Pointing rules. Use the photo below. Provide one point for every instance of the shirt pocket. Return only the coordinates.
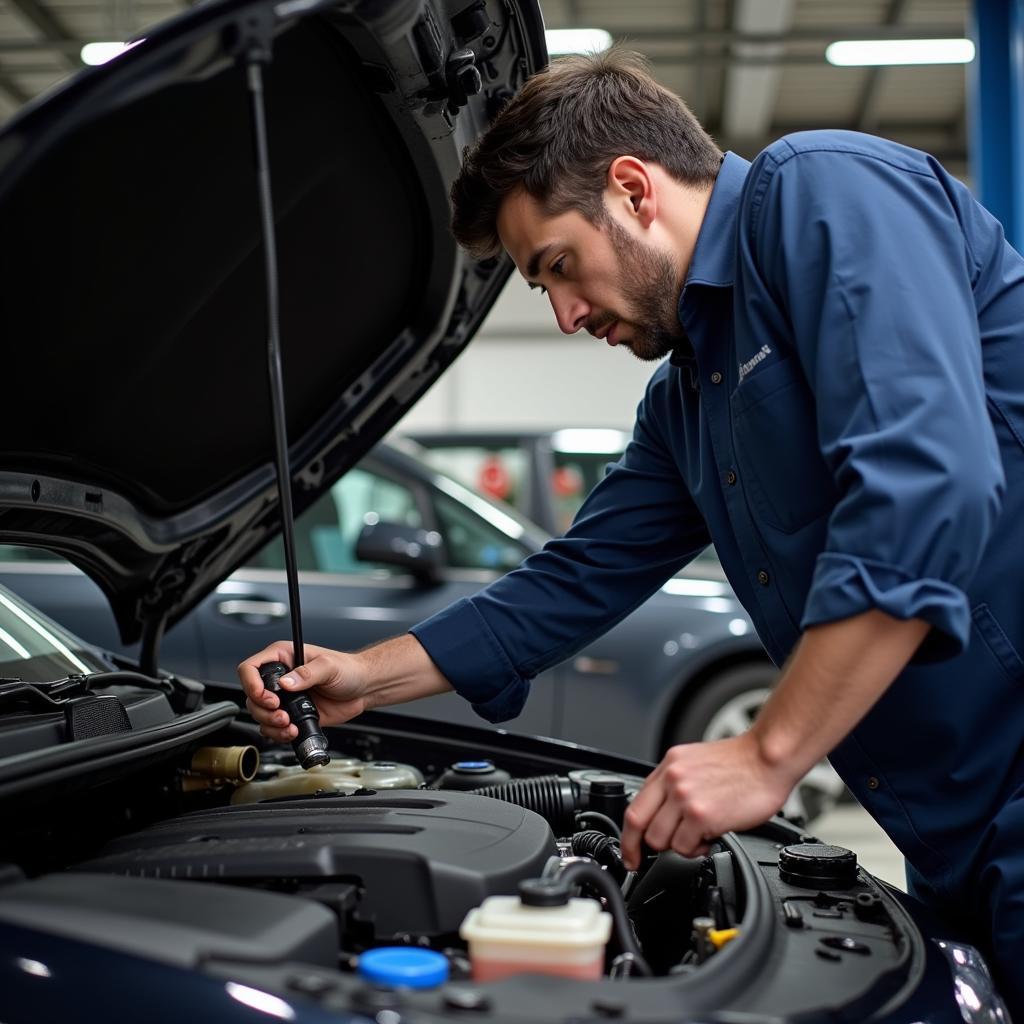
(998, 643)
(775, 439)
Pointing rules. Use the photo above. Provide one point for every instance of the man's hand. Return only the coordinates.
(341, 685)
(338, 682)
(699, 791)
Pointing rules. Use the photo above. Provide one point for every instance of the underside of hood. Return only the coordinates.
(138, 434)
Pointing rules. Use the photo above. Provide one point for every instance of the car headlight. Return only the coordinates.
(973, 987)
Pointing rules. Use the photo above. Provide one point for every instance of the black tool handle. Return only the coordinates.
(310, 745)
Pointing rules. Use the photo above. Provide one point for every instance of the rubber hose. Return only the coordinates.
(551, 796)
(581, 871)
(604, 849)
(600, 821)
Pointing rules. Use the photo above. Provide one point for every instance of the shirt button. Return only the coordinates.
(716, 378)
(872, 783)
(730, 477)
(763, 578)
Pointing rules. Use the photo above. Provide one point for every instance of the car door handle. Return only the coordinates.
(255, 613)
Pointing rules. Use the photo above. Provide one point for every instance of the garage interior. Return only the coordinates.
(752, 71)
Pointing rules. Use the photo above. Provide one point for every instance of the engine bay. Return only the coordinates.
(223, 857)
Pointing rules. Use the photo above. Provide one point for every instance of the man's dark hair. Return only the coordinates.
(559, 134)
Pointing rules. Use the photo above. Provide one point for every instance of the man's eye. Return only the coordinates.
(557, 268)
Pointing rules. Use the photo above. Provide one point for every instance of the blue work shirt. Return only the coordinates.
(848, 428)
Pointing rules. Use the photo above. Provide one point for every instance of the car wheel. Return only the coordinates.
(727, 706)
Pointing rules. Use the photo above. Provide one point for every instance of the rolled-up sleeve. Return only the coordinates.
(638, 527)
(868, 261)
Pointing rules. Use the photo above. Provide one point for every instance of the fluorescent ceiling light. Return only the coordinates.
(577, 40)
(100, 53)
(873, 52)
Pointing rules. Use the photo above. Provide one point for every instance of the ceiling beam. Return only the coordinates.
(699, 103)
(728, 59)
(14, 91)
(689, 41)
(940, 139)
(42, 68)
(818, 34)
(869, 106)
(945, 128)
(708, 60)
(51, 28)
(958, 128)
(751, 91)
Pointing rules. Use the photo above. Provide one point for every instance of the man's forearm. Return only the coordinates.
(342, 685)
(834, 677)
(400, 670)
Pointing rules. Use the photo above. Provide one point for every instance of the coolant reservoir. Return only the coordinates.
(541, 931)
(342, 775)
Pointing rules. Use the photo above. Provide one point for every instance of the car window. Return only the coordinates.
(327, 532)
(34, 650)
(575, 475)
(496, 471)
(473, 543)
(14, 553)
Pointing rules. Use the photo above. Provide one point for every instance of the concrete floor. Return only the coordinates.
(851, 826)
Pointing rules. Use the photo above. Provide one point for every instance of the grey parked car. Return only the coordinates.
(684, 666)
(546, 474)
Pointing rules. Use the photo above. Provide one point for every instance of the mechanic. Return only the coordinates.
(841, 413)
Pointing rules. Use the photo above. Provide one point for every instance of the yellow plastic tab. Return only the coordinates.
(720, 936)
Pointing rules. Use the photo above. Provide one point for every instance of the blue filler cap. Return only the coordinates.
(403, 967)
(473, 766)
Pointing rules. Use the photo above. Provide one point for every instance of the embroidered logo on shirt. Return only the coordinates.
(746, 367)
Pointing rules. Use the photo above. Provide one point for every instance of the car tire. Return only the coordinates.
(726, 705)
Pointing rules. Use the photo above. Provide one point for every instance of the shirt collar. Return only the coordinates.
(714, 256)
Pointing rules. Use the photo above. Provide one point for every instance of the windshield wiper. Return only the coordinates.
(54, 694)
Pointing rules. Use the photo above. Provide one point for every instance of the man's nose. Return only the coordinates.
(571, 312)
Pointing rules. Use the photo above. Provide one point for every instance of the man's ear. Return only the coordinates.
(631, 186)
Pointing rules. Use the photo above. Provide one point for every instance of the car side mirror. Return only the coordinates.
(406, 547)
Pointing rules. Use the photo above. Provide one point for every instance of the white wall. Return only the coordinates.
(521, 371)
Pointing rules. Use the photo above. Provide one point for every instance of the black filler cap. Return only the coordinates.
(818, 866)
(607, 795)
(543, 892)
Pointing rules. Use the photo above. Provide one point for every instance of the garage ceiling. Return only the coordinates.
(751, 69)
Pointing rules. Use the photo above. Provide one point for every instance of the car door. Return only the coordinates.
(348, 604)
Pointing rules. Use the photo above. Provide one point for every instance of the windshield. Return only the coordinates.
(36, 650)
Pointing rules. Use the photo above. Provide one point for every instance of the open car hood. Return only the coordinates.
(138, 433)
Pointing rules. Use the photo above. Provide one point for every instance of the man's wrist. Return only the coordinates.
(398, 670)
(777, 755)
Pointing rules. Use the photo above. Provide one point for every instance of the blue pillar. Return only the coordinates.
(996, 112)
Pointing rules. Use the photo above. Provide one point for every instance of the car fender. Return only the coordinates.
(639, 672)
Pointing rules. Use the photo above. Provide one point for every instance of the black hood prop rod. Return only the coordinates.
(310, 745)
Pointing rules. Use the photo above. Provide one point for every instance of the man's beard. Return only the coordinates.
(651, 291)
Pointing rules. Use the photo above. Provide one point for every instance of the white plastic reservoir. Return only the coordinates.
(506, 937)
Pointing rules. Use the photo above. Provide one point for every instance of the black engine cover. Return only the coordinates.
(422, 861)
